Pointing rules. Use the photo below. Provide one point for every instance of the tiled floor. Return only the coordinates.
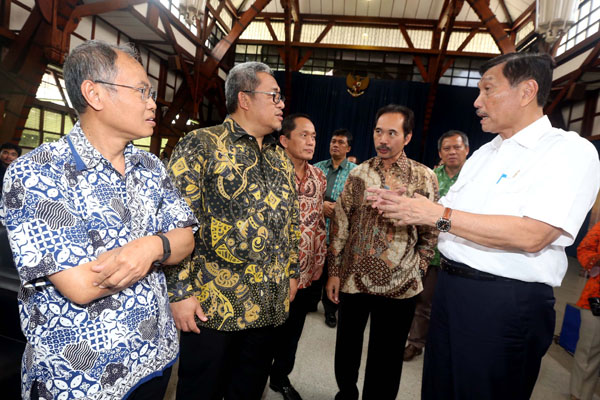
(314, 379)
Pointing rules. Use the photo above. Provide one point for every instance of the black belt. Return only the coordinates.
(463, 270)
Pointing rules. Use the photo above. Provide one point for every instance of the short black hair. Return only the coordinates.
(451, 133)
(519, 67)
(289, 123)
(409, 116)
(343, 132)
(12, 146)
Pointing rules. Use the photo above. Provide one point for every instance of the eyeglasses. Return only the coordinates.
(277, 96)
(146, 91)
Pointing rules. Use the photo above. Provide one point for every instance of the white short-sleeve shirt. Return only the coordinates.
(542, 173)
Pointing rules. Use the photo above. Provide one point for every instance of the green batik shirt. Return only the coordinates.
(444, 183)
(246, 247)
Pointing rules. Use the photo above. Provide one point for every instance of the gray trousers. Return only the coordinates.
(586, 362)
(420, 325)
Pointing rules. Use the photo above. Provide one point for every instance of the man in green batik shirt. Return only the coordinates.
(453, 147)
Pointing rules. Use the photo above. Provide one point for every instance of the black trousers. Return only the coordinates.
(390, 322)
(318, 292)
(154, 389)
(288, 336)
(486, 338)
(230, 365)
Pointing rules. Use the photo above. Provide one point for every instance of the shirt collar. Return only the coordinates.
(343, 164)
(237, 132)
(528, 136)
(87, 157)
(378, 161)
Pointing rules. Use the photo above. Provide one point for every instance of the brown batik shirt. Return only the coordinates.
(367, 252)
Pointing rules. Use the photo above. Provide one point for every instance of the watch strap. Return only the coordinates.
(166, 249)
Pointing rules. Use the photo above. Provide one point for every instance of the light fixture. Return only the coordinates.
(192, 9)
(555, 17)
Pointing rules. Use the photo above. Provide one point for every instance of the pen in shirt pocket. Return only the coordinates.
(505, 176)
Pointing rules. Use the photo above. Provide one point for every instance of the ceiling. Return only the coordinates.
(408, 9)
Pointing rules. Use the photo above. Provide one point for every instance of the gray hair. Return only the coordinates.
(92, 60)
(451, 133)
(242, 77)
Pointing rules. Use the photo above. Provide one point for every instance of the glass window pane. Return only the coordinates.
(33, 119)
(585, 9)
(30, 139)
(459, 81)
(592, 30)
(595, 16)
(50, 137)
(144, 143)
(52, 121)
(68, 124)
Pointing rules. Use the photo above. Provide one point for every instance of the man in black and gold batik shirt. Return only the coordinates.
(243, 272)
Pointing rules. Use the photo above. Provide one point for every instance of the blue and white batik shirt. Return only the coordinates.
(63, 205)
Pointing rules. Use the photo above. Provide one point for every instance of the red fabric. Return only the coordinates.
(588, 254)
(312, 247)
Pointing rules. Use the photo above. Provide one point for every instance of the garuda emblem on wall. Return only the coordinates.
(357, 84)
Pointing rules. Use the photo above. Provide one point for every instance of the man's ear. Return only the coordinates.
(91, 93)
(407, 138)
(243, 101)
(529, 90)
(283, 140)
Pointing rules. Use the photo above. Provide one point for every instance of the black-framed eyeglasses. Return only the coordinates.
(146, 91)
(277, 96)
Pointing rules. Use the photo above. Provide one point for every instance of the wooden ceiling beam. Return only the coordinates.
(370, 48)
(506, 12)
(450, 12)
(231, 8)
(417, 60)
(589, 61)
(210, 66)
(496, 29)
(524, 17)
(217, 14)
(410, 23)
(270, 28)
(309, 53)
(169, 31)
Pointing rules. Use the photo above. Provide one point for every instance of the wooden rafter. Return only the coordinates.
(524, 17)
(417, 59)
(587, 63)
(270, 28)
(368, 48)
(506, 12)
(450, 11)
(184, 66)
(381, 22)
(217, 14)
(308, 54)
(210, 66)
(485, 14)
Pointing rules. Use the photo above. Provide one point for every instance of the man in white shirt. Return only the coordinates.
(519, 201)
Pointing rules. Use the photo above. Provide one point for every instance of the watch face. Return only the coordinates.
(443, 225)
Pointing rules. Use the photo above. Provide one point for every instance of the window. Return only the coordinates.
(588, 21)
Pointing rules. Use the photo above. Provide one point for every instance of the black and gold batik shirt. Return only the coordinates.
(247, 245)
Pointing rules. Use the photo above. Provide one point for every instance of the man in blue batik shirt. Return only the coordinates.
(336, 170)
(91, 221)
